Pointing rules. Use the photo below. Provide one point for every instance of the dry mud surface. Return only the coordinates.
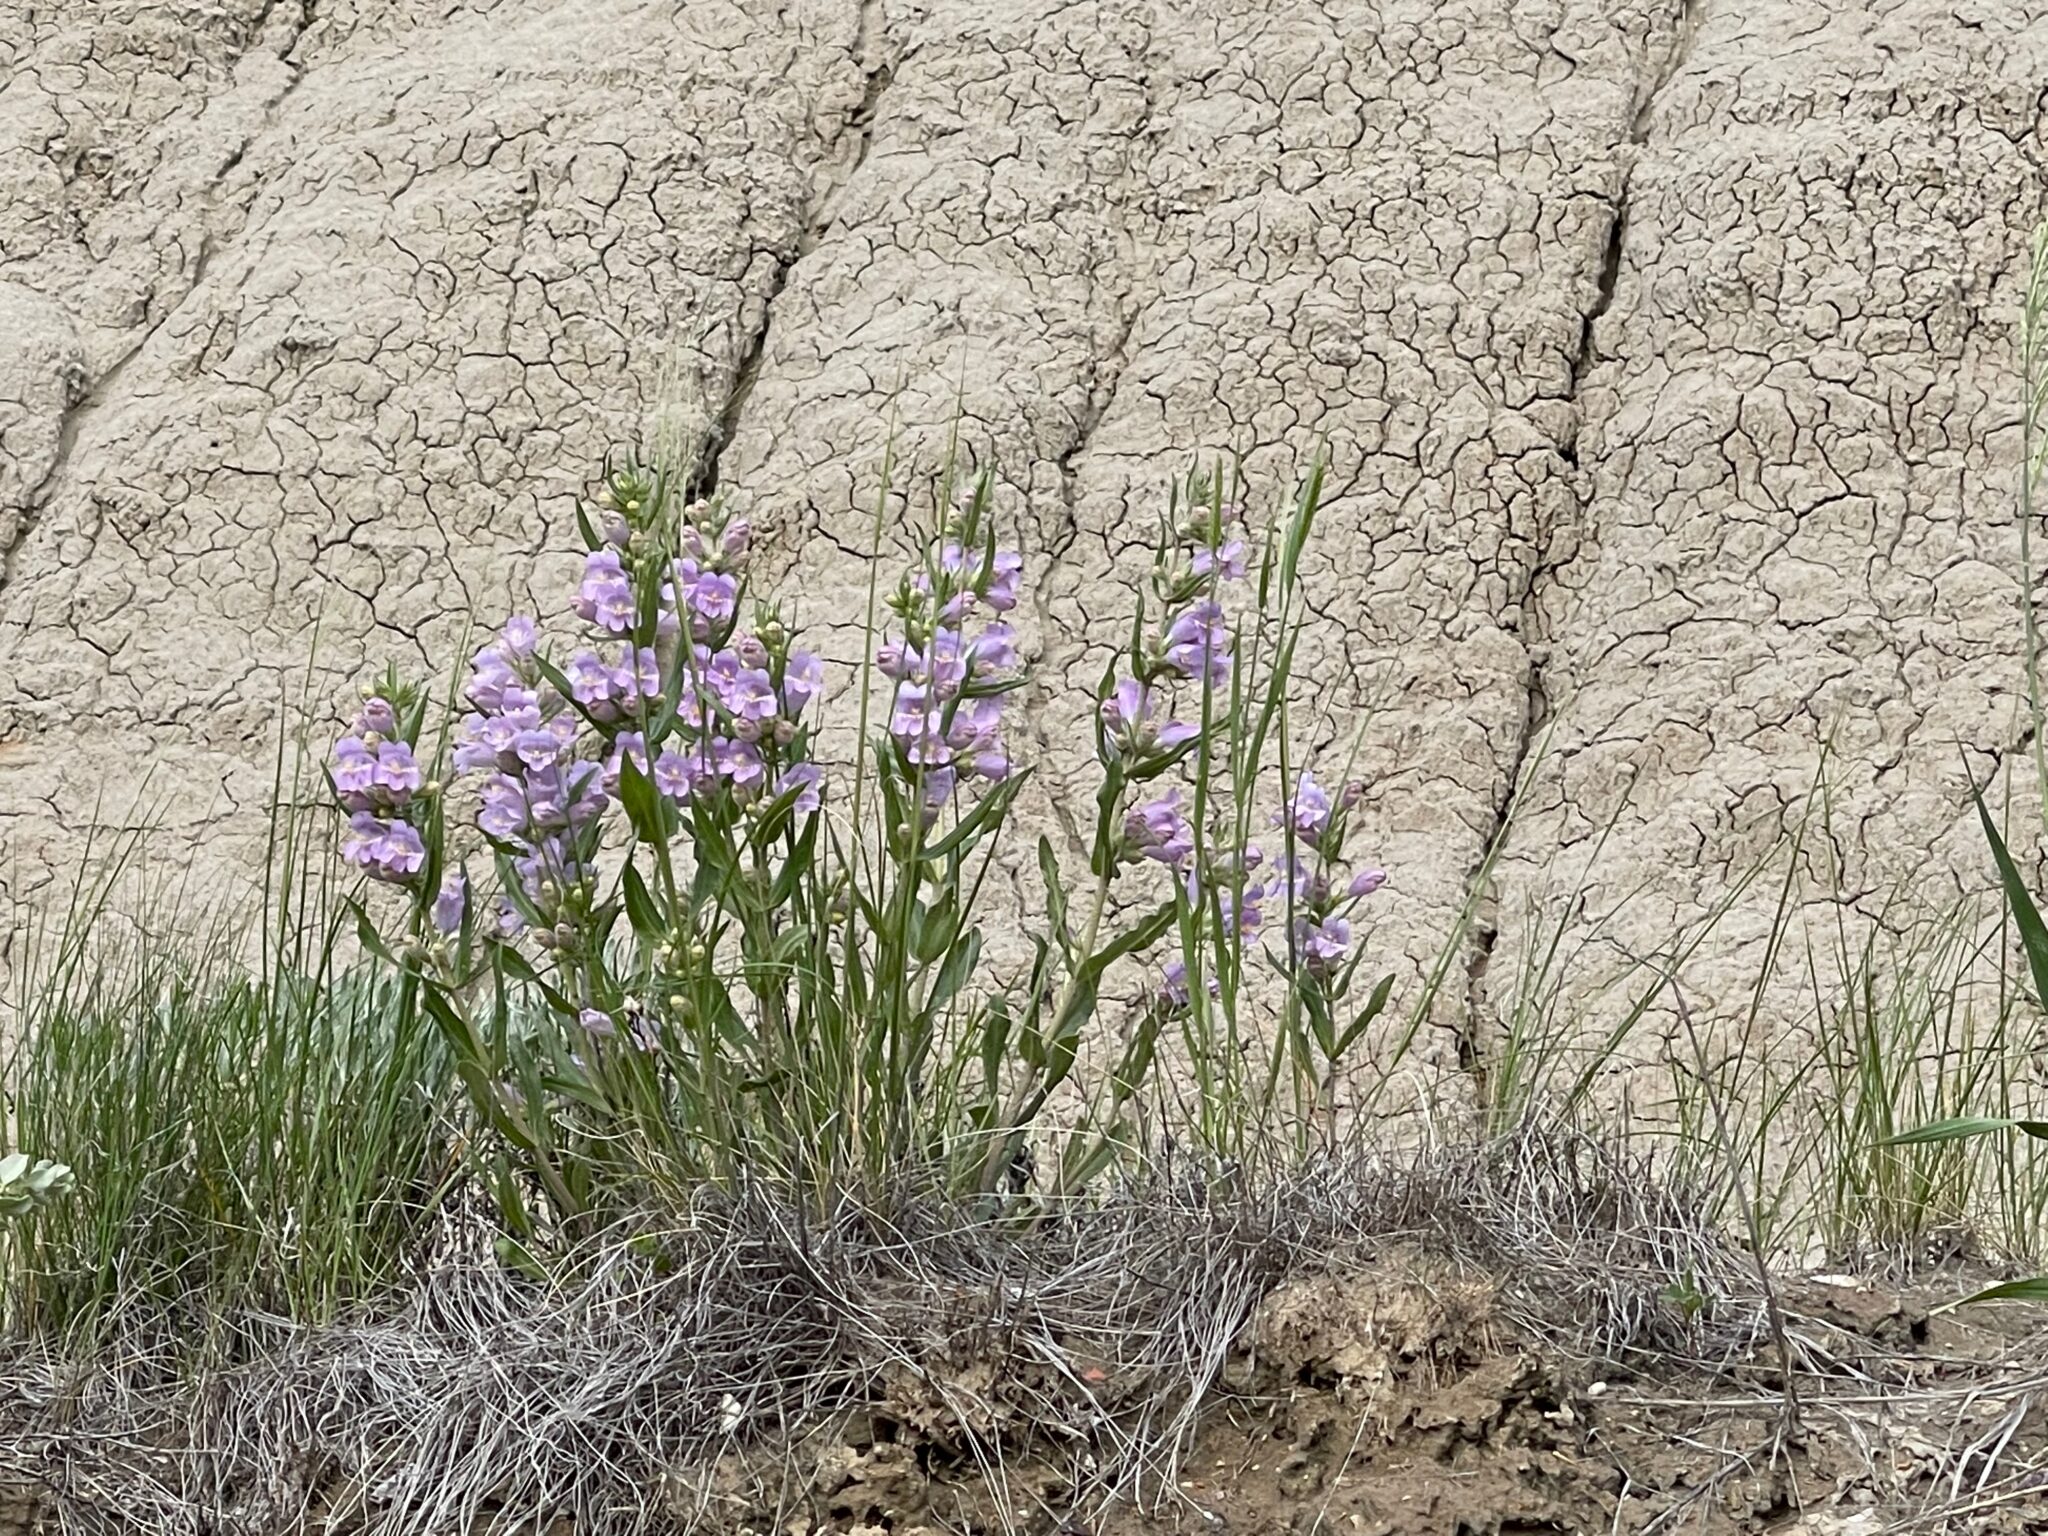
(1663, 349)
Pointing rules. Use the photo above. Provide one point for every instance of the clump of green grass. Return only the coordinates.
(242, 1142)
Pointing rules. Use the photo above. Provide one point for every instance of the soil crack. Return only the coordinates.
(1480, 909)
(849, 147)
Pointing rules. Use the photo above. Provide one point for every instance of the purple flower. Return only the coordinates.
(384, 850)
(945, 663)
(898, 659)
(520, 636)
(1159, 830)
(450, 903)
(710, 596)
(491, 675)
(1365, 882)
(804, 781)
(974, 737)
(376, 718)
(590, 680)
(739, 761)
(1173, 985)
(994, 650)
(678, 774)
(565, 797)
(398, 776)
(1308, 813)
(1005, 582)
(1126, 713)
(627, 744)
(732, 544)
(597, 1022)
(1241, 909)
(380, 780)
(1198, 642)
(637, 672)
(803, 679)
(1227, 559)
(938, 786)
(745, 693)
(354, 773)
(606, 598)
(1321, 943)
(914, 722)
(504, 810)
(539, 747)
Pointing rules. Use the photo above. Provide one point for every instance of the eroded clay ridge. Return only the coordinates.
(1663, 352)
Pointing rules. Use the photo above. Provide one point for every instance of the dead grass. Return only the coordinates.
(1091, 1337)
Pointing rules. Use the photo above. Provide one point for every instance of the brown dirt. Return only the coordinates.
(1397, 1403)
(1394, 1398)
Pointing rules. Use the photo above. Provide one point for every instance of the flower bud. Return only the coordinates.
(677, 1002)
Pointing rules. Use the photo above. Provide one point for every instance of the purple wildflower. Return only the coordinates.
(1159, 830)
(1365, 882)
(804, 780)
(628, 744)
(376, 718)
(803, 679)
(1127, 712)
(1198, 643)
(1309, 811)
(1005, 582)
(739, 761)
(451, 902)
(354, 774)
(1321, 943)
(398, 776)
(383, 850)
(1227, 559)
(597, 1022)
(606, 597)
(678, 774)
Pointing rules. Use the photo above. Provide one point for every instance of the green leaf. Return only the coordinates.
(2035, 1289)
(995, 1033)
(1055, 895)
(988, 810)
(641, 911)
(521, 969)
(1374, 1006)
(960, 963)
(1964, 1126)
(1139, 937)
(642, 802)
(367, 935)
(2025, 915)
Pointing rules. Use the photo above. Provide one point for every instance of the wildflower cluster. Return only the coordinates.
(951, 666)
(1320, 903)
(378, 782)
(817, 992)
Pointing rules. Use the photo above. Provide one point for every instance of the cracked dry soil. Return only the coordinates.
(1663, 348)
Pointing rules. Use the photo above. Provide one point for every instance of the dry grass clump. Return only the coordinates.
(1090, 1337)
